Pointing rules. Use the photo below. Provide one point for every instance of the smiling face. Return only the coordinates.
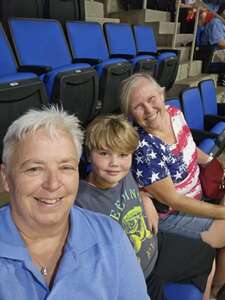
(108, 168)
(42, 181)
(147, 105)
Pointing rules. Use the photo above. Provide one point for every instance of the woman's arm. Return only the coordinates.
(165, 192)
(203, 158)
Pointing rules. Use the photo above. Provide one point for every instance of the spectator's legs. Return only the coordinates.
(216, 238)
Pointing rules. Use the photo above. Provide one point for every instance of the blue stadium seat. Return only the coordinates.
(19, 91)
(41, 46)
(121, 43)
(167, 59)
(207, 145)
(209, 100)
(173, 102)
(201, 127)
(178, 291)
(88, 44)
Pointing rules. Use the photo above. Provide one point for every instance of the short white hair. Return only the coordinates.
(50, 119)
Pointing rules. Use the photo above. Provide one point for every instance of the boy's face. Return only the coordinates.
(108, 167)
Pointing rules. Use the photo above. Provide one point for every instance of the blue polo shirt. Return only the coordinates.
(213, 33)
(98, 263)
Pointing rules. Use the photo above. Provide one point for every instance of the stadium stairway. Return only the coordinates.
(164, 29)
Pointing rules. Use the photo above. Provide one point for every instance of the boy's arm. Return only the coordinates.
(150, 212)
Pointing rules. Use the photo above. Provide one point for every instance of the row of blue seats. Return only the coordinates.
(41, 49)
(205, 117)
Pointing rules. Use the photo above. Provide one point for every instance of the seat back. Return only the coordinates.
(173, 102)
(145, 39)
(192, 108)
(16, 100)
(120, 40)
(20, 8)
(7, 61)
(208, 94)
(39, 42)
(64, 10)
(178, 291)
(87, 40)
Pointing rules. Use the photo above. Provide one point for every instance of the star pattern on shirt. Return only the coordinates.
(143, 143)
(154, 177)
(161, 164)
(165, 158)
(163, 147)
(151, 155)
(139, 159)
(139, 173)
(177, 175)
(154, 160)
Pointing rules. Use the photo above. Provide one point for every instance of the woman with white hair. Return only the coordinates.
(48, 249)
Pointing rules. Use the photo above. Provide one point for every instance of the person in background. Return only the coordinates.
(48, 248)
(110, 188)
(214, 31)
(166, 165)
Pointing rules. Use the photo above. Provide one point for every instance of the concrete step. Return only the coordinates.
(195, 68)
(102, 20)
(183, 70)
(163, 27)
(220, 91)
(184, 53)
(141, 16)
(187, 82)
(94, 9)
(166, 39)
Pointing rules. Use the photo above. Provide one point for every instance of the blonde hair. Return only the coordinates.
(130, 83)
(113, 132)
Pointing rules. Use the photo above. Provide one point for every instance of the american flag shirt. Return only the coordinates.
(154, 160)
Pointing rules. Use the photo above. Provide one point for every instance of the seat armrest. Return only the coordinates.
(126, 56)
(199, 135)
(211, 120)
(221, 109)
(147, 53)
(91, 61)
(176, 51)
(217, 118)
(39, 70)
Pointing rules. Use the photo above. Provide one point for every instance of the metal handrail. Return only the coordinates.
(144, 4)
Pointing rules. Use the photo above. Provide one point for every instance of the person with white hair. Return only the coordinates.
(48, 248)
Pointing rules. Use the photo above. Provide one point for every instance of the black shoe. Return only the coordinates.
(221, 82)
(221, 294)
